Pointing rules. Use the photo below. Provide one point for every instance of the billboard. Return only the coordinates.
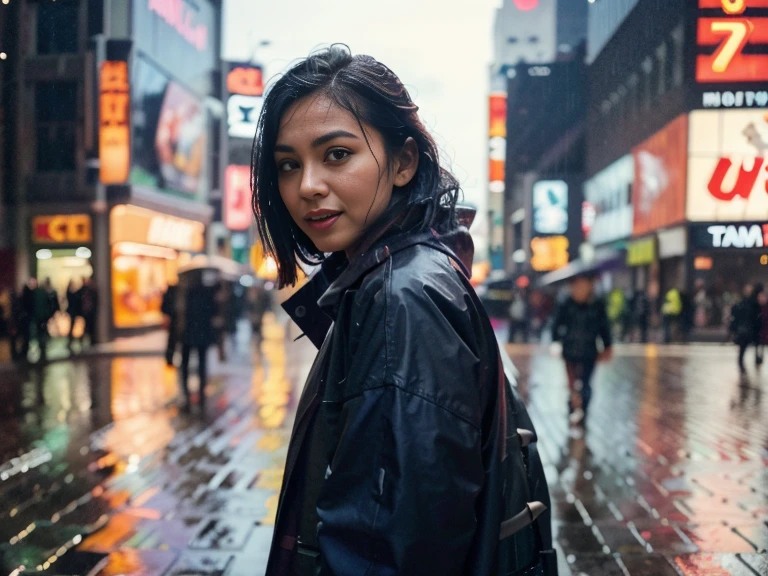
(237, 197)
(658, 190)
(608, 214)
(497, 133)
(179, 35)
(727, 156)
(550, 207)
(169, 141)
(732, 41)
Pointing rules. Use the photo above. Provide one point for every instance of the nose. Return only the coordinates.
(312, 183)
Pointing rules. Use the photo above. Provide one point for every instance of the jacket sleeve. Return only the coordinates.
(559, 323)
(399, 496)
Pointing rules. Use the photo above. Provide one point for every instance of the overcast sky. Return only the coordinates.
(441, 50)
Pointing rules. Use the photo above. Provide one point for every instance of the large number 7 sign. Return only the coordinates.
(730, 34)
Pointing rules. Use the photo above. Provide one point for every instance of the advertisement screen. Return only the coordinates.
(550, 207)
(180, 35)
(609, 212)
(169, 133)
(732, 41)
(658, 191)
(728, 153)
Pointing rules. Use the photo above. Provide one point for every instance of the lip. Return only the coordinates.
(321, 224)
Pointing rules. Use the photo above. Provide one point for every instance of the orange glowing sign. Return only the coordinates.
(497, 132)
(114, 123)
(245, 80)
(549, 253)
(62, 229)
(736, 44)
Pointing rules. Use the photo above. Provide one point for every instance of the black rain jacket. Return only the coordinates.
(410, 454)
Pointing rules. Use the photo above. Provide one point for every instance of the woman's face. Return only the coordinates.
(328, 178)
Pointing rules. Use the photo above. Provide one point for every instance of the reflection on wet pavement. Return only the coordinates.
(101, 475)
(670, 477)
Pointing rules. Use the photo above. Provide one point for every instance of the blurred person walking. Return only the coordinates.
(672, 315)
(580, 321)
(89, 307)
(28, 294)
(762, 299)
(746, 323)
(640, 313)
(19, 326)
(168, 308)
(73, 309)
(259, 303)
(46, 304)
(519, 317)
(198, 334)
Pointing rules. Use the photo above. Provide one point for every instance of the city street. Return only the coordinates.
(101, 474)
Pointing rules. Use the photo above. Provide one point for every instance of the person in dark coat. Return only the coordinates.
(409, 454)
(89, 307)
(168, 308)
(73, 309)
(745, 324)
(28, 319)
(19, 327)
(581, 321)
(198, 334)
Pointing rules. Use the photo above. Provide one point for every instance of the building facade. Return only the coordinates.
(676, 149)
(117, 149)
(526, 149)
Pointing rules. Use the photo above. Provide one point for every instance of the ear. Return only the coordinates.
(407, 163)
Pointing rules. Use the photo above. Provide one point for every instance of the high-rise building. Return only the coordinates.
(530, 37)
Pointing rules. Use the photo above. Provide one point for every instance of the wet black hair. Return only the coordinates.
(377, 99)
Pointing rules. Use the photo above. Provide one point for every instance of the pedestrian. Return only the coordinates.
(745, 324)
(19, 327)
(46, 304)
(687, 316)
(762, 299)
(89, 307)
(518, 317)
(672, 312)
(398, 461)
(259, 302)
(168, 308)
(198, 334)
(220, 319)
(580, 322)
(73, 309)
(28, 308)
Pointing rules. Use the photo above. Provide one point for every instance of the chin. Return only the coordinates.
(330, 244)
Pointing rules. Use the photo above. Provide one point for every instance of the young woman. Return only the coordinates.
(409, 454)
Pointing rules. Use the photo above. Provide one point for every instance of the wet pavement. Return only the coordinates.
(671, 476)
(101, 474)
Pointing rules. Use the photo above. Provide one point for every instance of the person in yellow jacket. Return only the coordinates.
(672, 313)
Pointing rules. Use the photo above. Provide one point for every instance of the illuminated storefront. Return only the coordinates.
(147, 248)
(61, 248)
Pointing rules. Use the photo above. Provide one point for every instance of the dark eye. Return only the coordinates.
(337, 154)
(286, 166)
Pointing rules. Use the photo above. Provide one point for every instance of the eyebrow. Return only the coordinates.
(320, 140)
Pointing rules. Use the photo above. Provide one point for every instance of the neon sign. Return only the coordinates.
(114, 123)
(735, 37)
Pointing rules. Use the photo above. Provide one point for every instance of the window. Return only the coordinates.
(56, 115)
(57, 26)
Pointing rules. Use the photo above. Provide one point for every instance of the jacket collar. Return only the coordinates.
(316, 304)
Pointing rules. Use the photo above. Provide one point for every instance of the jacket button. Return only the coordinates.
(300, 312)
